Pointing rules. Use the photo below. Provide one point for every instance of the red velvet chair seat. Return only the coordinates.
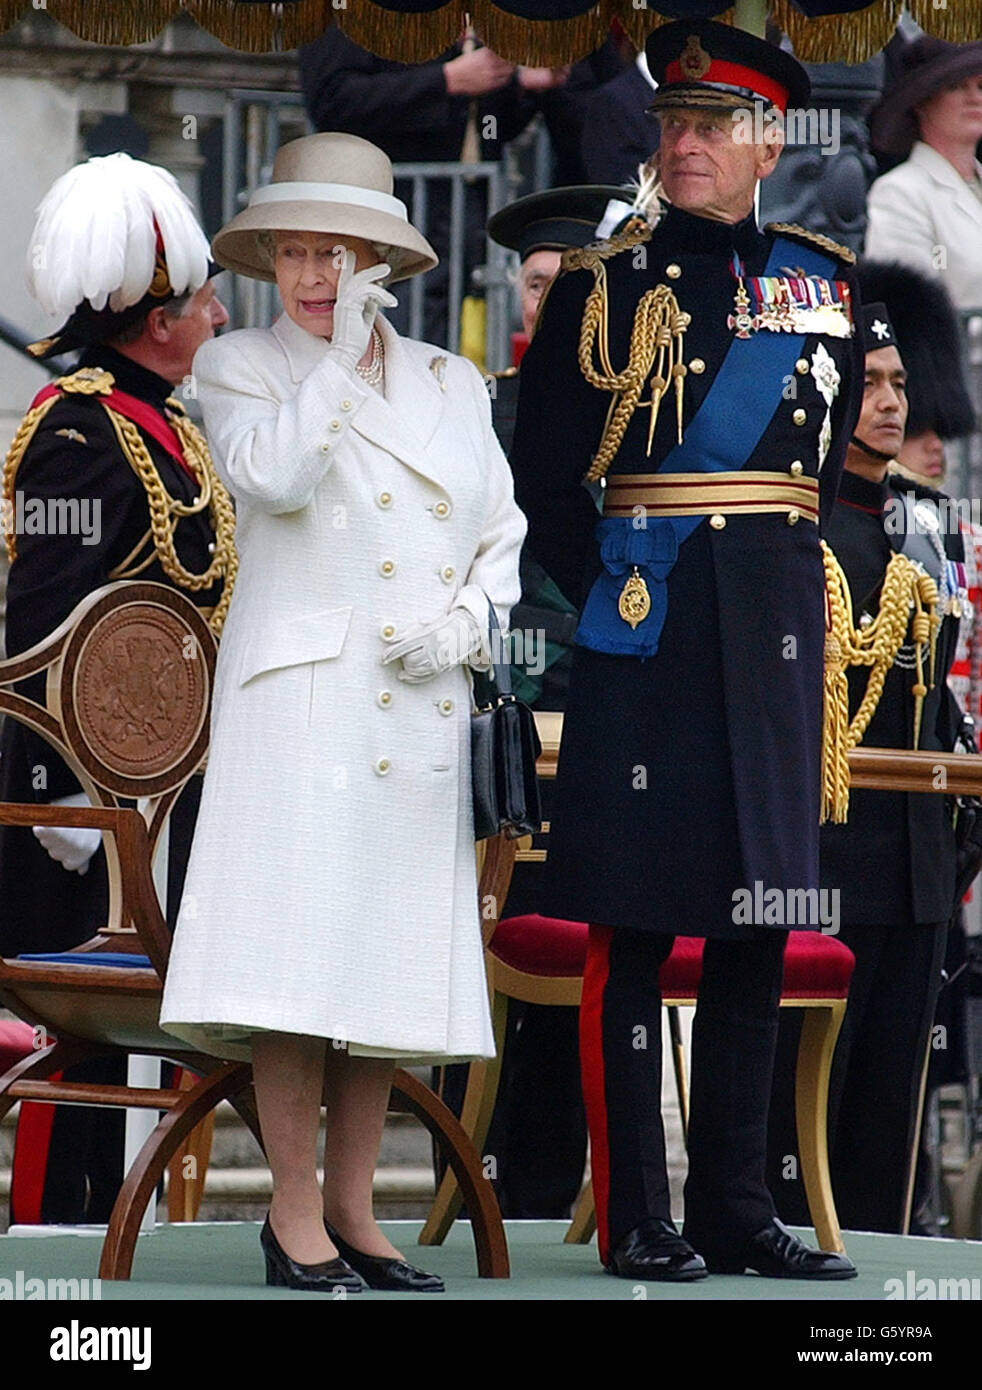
(16, 1042)
(815, 966)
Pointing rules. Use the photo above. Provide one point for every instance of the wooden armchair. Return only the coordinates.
(540, 961)
(129, 683)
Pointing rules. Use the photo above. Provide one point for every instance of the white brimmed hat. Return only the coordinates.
(332, 183)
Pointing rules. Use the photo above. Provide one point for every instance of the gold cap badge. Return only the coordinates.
(694, 60)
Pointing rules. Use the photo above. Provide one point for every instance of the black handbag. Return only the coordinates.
(504, 748)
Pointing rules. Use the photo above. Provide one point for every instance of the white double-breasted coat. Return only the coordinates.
(331, 888)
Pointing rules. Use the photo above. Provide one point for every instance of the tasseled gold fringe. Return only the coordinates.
(406, 38)
(116, 24)
(849, 38)
(839, 38)
(540, 43)
(959, 21)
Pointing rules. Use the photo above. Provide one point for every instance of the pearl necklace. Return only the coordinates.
(373, 373)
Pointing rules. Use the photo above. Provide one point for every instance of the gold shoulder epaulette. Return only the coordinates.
(87, 381)
(824, 243)
(588, 257)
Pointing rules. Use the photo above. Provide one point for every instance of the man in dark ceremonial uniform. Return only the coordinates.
(709, 371)
(110, 442)
(892, 861)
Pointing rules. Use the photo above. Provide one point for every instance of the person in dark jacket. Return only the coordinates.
(689, 771)
(53, 887)
(891, 864)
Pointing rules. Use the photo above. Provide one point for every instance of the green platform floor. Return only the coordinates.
(223, 1261)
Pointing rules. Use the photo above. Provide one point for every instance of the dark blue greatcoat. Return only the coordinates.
(693, 773)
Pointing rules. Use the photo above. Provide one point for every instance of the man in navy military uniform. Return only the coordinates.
(710, 372)
(895, 918)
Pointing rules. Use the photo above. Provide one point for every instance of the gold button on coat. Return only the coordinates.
(345, 405)
(385, 698)
(387, 568)
(697, 365)
(717, 522)
(442, 509)
(447, 573)
(335, 425)
(388, 632)
(384, 499)
(797, 468)
(793, 517)
(801, 366)
(446, 706)
(673, 271)
(800, 416)
(382, 766)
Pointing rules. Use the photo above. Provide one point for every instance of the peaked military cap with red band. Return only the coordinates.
(717, 67)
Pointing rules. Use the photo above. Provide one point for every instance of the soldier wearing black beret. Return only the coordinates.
(707, 370)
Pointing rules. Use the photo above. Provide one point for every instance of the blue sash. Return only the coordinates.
(721, 436)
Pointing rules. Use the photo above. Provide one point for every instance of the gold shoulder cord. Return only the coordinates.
(165, 511)
(655, 349)
(906, 587)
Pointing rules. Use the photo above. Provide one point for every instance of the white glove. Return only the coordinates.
(426, 649)
(358, 299)
(70, 846)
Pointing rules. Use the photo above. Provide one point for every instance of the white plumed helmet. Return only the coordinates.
(112, 231)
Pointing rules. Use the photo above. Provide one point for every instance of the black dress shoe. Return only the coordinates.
(381, 1272)
(655, 1250)
(284, 1273)
(778, 1254)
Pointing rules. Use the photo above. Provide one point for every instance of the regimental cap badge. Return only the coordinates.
(694, 60)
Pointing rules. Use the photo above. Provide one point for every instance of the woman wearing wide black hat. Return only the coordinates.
(927, 212)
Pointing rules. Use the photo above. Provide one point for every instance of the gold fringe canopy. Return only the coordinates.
(264, 28)
(906, 588)
(654, 353)
(838, 38)
(165, 511)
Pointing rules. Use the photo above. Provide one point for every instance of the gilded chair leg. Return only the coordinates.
(681, 1073)
(141, 1181)
(475, 1119)
(819, 1030)
(584, 1223)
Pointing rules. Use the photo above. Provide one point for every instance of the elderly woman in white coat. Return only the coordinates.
(330, 922)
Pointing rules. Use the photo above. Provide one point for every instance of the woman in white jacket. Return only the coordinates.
(331, 890)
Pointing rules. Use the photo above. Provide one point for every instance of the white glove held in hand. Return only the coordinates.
(426, 649)
(358, 298)
(72, 847)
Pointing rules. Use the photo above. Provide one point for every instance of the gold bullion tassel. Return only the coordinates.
(654, 356)
(906, 587)
(634, 604)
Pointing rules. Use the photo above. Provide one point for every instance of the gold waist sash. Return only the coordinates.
(697, 494)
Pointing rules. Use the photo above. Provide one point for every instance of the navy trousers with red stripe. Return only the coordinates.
(733, 1042)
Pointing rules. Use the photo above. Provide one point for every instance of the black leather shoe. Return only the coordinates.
(655, 1250)
(284, 1273)
(380, 1272)
(777, 1253)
